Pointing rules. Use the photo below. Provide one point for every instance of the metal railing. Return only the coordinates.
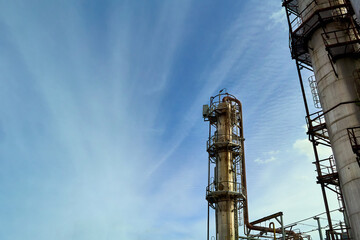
(297, 21)
(230, 186)
(340, 232)
(216, 100)
(337, 9)
(354, 136)
(223, 139)
(318, 122)
(310, 18)
(341, 37)
(327, 166)
(318, 128)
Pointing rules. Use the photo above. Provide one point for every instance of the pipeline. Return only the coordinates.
(243, 182)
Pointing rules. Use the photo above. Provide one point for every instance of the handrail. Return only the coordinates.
(354, 142)
(329, 168)
(318, 120)
(352, 136)
(311, 12)
(333, 35)
(214, 102)
(332, 108)
(229, 186)
(224, 138)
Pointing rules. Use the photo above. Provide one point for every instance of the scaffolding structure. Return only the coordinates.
(338, 44)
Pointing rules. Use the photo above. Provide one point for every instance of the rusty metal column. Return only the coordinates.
(224, 192)
(225, 211)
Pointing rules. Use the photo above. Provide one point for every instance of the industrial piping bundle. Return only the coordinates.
(325, 41)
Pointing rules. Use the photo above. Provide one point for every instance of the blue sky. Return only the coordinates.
(101, 130)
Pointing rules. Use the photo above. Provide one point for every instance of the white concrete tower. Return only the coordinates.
(326, 38)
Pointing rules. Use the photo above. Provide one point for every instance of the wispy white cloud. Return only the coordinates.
(278, 16)
(215, 72)
(85, 160)
(277, 19)
(267, 157)
(305, 147)
(274, 152)
(158, 51)
(264, 161)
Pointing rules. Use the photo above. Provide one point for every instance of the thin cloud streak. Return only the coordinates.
(91, 139)
(215, 74)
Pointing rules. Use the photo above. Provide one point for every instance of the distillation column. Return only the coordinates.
(336, 86)
(225, 209)
(224, 192)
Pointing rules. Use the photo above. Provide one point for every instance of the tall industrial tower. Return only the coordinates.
(226, 192)
(225, 147)
(325, 41)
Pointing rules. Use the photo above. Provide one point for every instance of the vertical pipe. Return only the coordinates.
(272, 225)
(327, 209)
(208, 207)
(282, 227)
(319, 227)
